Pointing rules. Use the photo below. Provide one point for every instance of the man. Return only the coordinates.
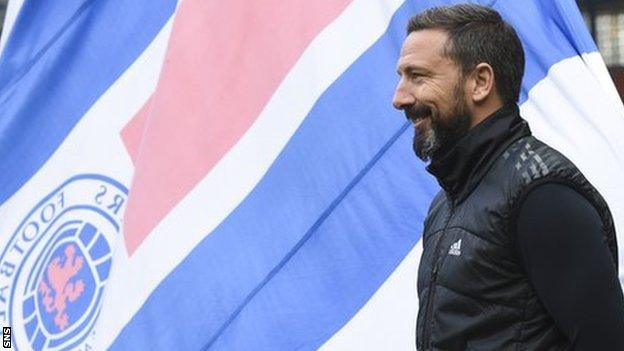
(519, 248)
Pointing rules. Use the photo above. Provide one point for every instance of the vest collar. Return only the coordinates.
(460, 168)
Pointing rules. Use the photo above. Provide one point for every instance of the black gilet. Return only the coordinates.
(473, 291)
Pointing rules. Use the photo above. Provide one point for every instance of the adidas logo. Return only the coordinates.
(455, 249)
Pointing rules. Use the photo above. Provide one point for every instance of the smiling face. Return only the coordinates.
(431, 91)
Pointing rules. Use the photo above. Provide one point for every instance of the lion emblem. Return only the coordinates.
(61, 290)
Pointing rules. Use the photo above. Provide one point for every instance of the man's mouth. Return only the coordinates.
(423, 126)
(417, 115)
(420, 119)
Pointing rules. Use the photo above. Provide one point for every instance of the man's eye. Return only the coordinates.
(416, 77)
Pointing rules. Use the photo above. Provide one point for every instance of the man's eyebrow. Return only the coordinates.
(412, 68)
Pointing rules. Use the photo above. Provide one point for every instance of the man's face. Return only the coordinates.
(431, 92)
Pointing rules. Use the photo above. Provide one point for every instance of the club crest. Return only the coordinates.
(55, 267)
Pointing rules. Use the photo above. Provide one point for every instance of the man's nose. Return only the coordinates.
(402, 98)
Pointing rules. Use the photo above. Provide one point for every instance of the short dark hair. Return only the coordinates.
(478, 34)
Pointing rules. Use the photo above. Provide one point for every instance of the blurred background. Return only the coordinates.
(604, 19)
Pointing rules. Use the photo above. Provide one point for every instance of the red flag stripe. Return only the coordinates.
(225, 59)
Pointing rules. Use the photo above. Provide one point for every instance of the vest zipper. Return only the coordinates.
(433, 279)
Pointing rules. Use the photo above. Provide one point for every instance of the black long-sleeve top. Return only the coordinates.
(567, 260)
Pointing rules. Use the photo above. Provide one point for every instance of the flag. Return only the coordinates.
(231, 175)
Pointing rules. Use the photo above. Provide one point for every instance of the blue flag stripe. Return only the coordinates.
(51, 80)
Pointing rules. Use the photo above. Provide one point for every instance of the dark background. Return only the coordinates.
(604, 18)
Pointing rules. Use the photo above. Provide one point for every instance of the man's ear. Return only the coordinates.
(483, 83)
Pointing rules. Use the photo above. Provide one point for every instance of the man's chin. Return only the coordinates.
(423, 126)
(424, 147)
